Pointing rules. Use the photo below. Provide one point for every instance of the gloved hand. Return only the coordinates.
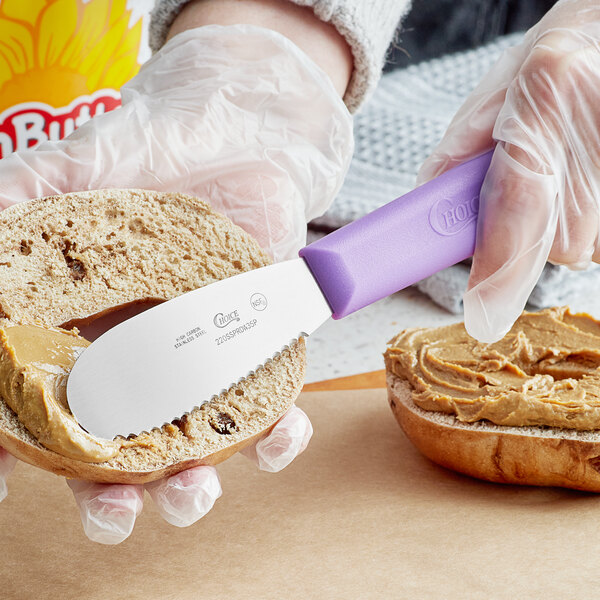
(108, 512)
(540, 199)
(238, 116)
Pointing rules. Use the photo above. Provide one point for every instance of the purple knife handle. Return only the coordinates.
(412, 237)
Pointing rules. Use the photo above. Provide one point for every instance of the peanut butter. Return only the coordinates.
(34, 366)
(545, 371)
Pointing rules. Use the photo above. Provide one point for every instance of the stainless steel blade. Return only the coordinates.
(166, 361)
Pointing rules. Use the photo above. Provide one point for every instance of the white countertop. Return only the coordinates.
(356, 343)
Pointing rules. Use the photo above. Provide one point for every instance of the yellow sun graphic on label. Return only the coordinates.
(61, 62)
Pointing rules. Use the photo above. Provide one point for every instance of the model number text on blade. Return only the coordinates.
(237, 331)
(188, 336)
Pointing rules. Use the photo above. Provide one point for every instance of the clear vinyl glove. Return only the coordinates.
(240, 117)
(108, 512)
(540, 199)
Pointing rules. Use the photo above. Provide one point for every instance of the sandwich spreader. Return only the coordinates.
(161, 364)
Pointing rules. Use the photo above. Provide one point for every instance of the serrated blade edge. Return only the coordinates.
(160, 364)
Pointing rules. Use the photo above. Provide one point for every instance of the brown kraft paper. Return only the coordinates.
(361, 514)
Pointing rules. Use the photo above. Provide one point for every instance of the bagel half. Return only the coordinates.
(545, 456)
(66, 260)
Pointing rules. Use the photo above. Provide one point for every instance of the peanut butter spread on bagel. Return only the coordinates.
(545, 371)
(35, 363)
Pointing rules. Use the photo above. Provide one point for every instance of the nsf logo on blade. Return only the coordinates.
(258, 301)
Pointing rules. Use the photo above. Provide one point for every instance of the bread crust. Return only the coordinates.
(48, 460)
(513, 455)
(26, 250)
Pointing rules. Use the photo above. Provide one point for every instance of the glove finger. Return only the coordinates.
(577, 232)
(470, 132)
(185, 497)
(550, 125)
(516, 227)
(287, 440)
(467, 136)
(7, 464)
(572, 118)
(108, 511)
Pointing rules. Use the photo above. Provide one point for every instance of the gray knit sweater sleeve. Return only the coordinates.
(367, 25)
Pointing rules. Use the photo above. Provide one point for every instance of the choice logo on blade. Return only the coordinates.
(448, 217)
(223, 319)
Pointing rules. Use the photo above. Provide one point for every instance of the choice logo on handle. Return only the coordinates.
(448, 217)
